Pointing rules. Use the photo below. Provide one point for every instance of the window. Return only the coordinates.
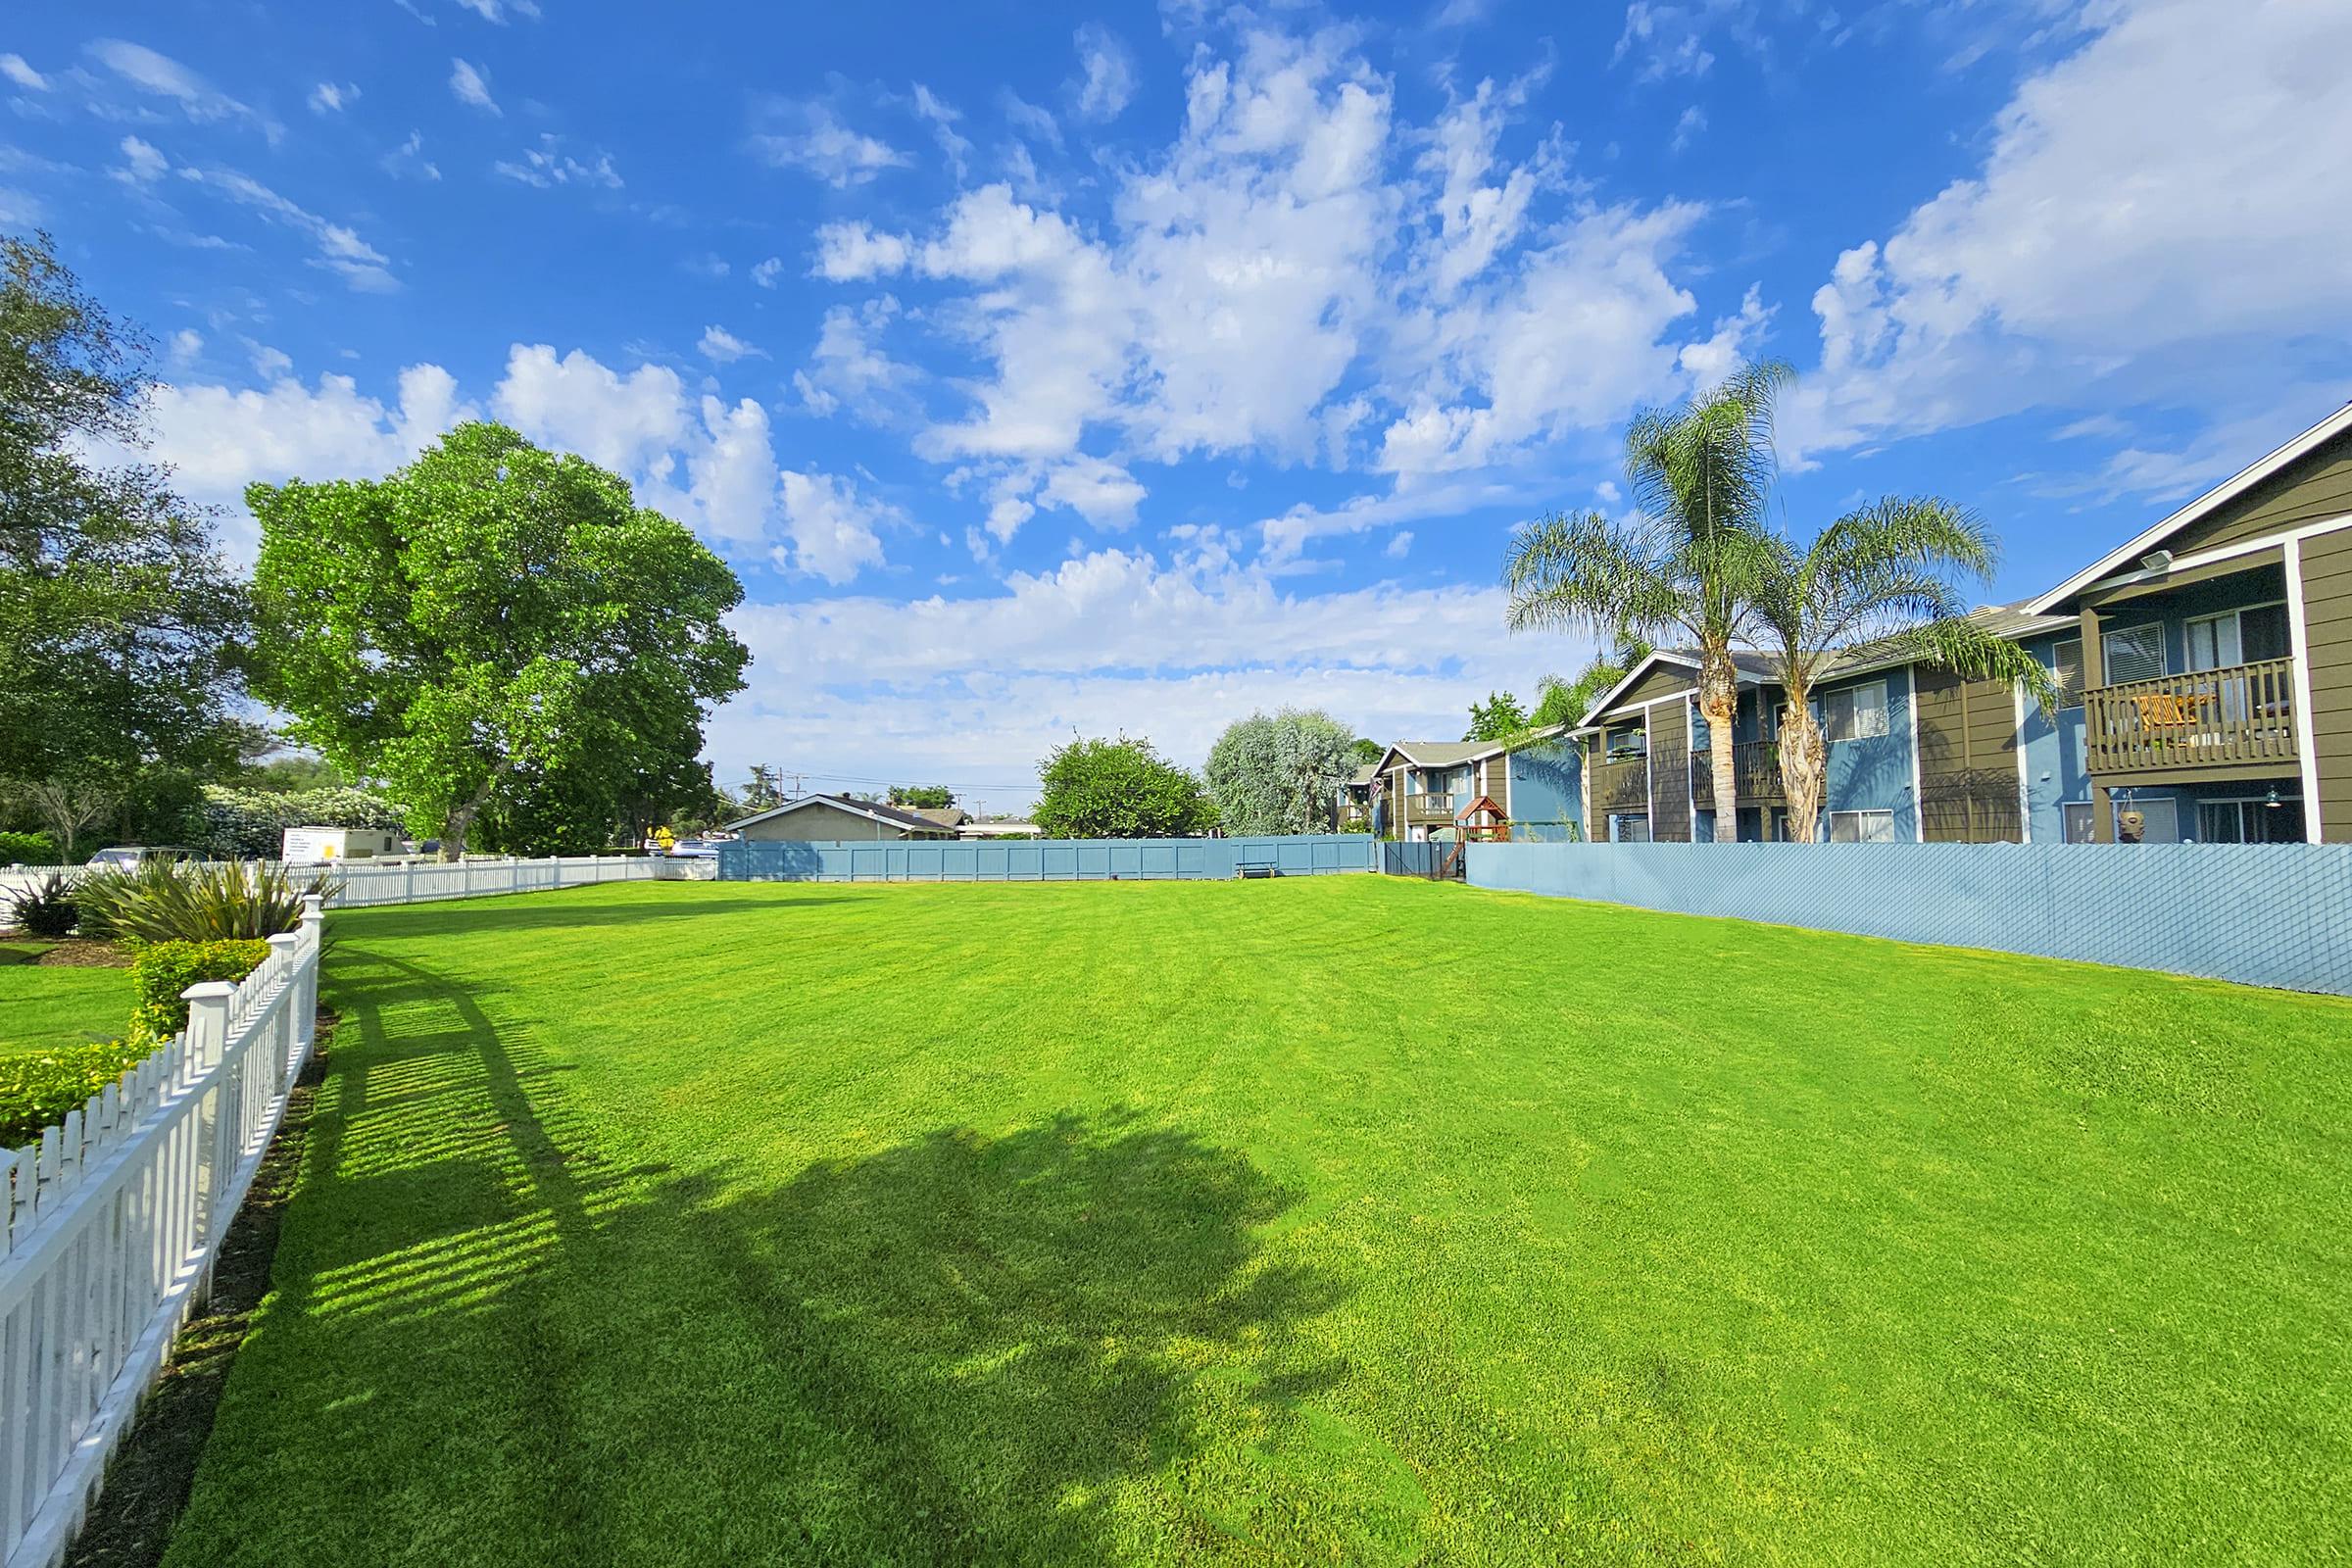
(1628, 828)
(2251, 821)
(2155, 820)
(2078, 822)
(2237, 637)
(2133, 653)
(1856, 714)
(1862, 828)
(1627, 740)
(2066, 666)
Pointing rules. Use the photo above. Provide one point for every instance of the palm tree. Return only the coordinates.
(1878, 583)
(1701, 478)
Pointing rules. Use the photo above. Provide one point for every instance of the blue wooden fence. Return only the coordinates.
(1040, 859)
(2268, 915)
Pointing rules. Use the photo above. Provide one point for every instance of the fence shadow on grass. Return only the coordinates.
(497, 1322)
(533, 912)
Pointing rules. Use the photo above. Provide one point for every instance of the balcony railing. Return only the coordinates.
(1622, 785)
(1755, 770)
(1424, 809)
(2224, 717)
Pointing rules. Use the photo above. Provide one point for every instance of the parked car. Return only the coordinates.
(131, 856)
(694, 849)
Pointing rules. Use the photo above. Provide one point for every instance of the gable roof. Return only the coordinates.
(873, 811)
(1454, 754)
(2128, 555)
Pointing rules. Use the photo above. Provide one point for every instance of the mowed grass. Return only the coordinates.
(1343, 1220)
(44, 1007)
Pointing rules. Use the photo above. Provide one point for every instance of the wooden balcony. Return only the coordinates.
(1755, 769)
(1424, 810)
(1622, 785)
(2238, 718)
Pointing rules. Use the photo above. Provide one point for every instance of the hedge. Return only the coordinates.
(163, 969)
(39, 1088)
(234, 824)
(27, 848)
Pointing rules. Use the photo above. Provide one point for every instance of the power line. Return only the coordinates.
(796, 775)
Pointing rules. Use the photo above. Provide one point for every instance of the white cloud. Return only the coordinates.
(549, 164)
(496, 10)
(766, 272)
(162, 77)
(1030, 119)
(849, 252)
(2108, 235)
(142, 165)
(723, 347)
(941, 119)
(810, 137)
(186, 344)
(407, 158)
(267, 363)
(710, 267)
(330, 98)
(850, 368)
(1400, 544)
(1106, 72)
(975, 689)
(221, 439)
(1687, 129)
(622, 422)
(17, 70)
(1103, 492)
(834, 530)
(470, 83)
(1295, 278)
(340, 249)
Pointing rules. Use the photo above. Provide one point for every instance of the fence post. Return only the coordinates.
(208, 1022)
(313, 949)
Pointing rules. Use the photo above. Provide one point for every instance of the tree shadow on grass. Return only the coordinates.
(503, 1335)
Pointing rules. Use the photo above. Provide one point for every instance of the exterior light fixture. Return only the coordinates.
(2157, 560)
(2271, 799)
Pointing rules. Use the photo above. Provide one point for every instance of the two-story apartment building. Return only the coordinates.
(1419, 789)
(1914, 753)
(2208, 667)
(2206, 672)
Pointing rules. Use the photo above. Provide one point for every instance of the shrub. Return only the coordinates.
(38, 1087)
(27, 848)
(166, 902)
(46, 909)
(163, 969)
(234, 824)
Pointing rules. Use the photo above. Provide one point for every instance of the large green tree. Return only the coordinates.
(1495, 718)
(499, 632)
(119, 624)
(1120, 789)
(1280, 773)
(1881, 581)
(1701, 476)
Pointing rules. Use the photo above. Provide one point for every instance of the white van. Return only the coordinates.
(313, 846)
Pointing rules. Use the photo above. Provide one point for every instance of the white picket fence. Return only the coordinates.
(111, 1224)
(429, 881)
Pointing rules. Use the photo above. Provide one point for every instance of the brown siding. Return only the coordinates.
(2319, 485)
(1670, 773)
(1663, 681)
(1967, 760)
(2328, 647)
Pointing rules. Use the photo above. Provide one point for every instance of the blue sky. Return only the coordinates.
(1050, 370)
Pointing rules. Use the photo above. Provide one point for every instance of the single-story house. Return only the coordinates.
(835, 819)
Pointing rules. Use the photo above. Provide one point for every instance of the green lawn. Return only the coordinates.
(45, 1007)
(1345, 1220)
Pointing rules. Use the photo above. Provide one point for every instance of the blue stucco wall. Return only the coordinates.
(1548, 793)
(1040, 859)
(2277, 914)
(1874, 773)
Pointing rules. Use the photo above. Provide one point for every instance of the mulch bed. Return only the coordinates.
(82, 952)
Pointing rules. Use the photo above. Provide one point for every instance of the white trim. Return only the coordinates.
(2220, 552)
(1691, 762)
(1642, 667)
(2227, 490)
(1918, 793)
(2025, 772)
(2298, 638)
